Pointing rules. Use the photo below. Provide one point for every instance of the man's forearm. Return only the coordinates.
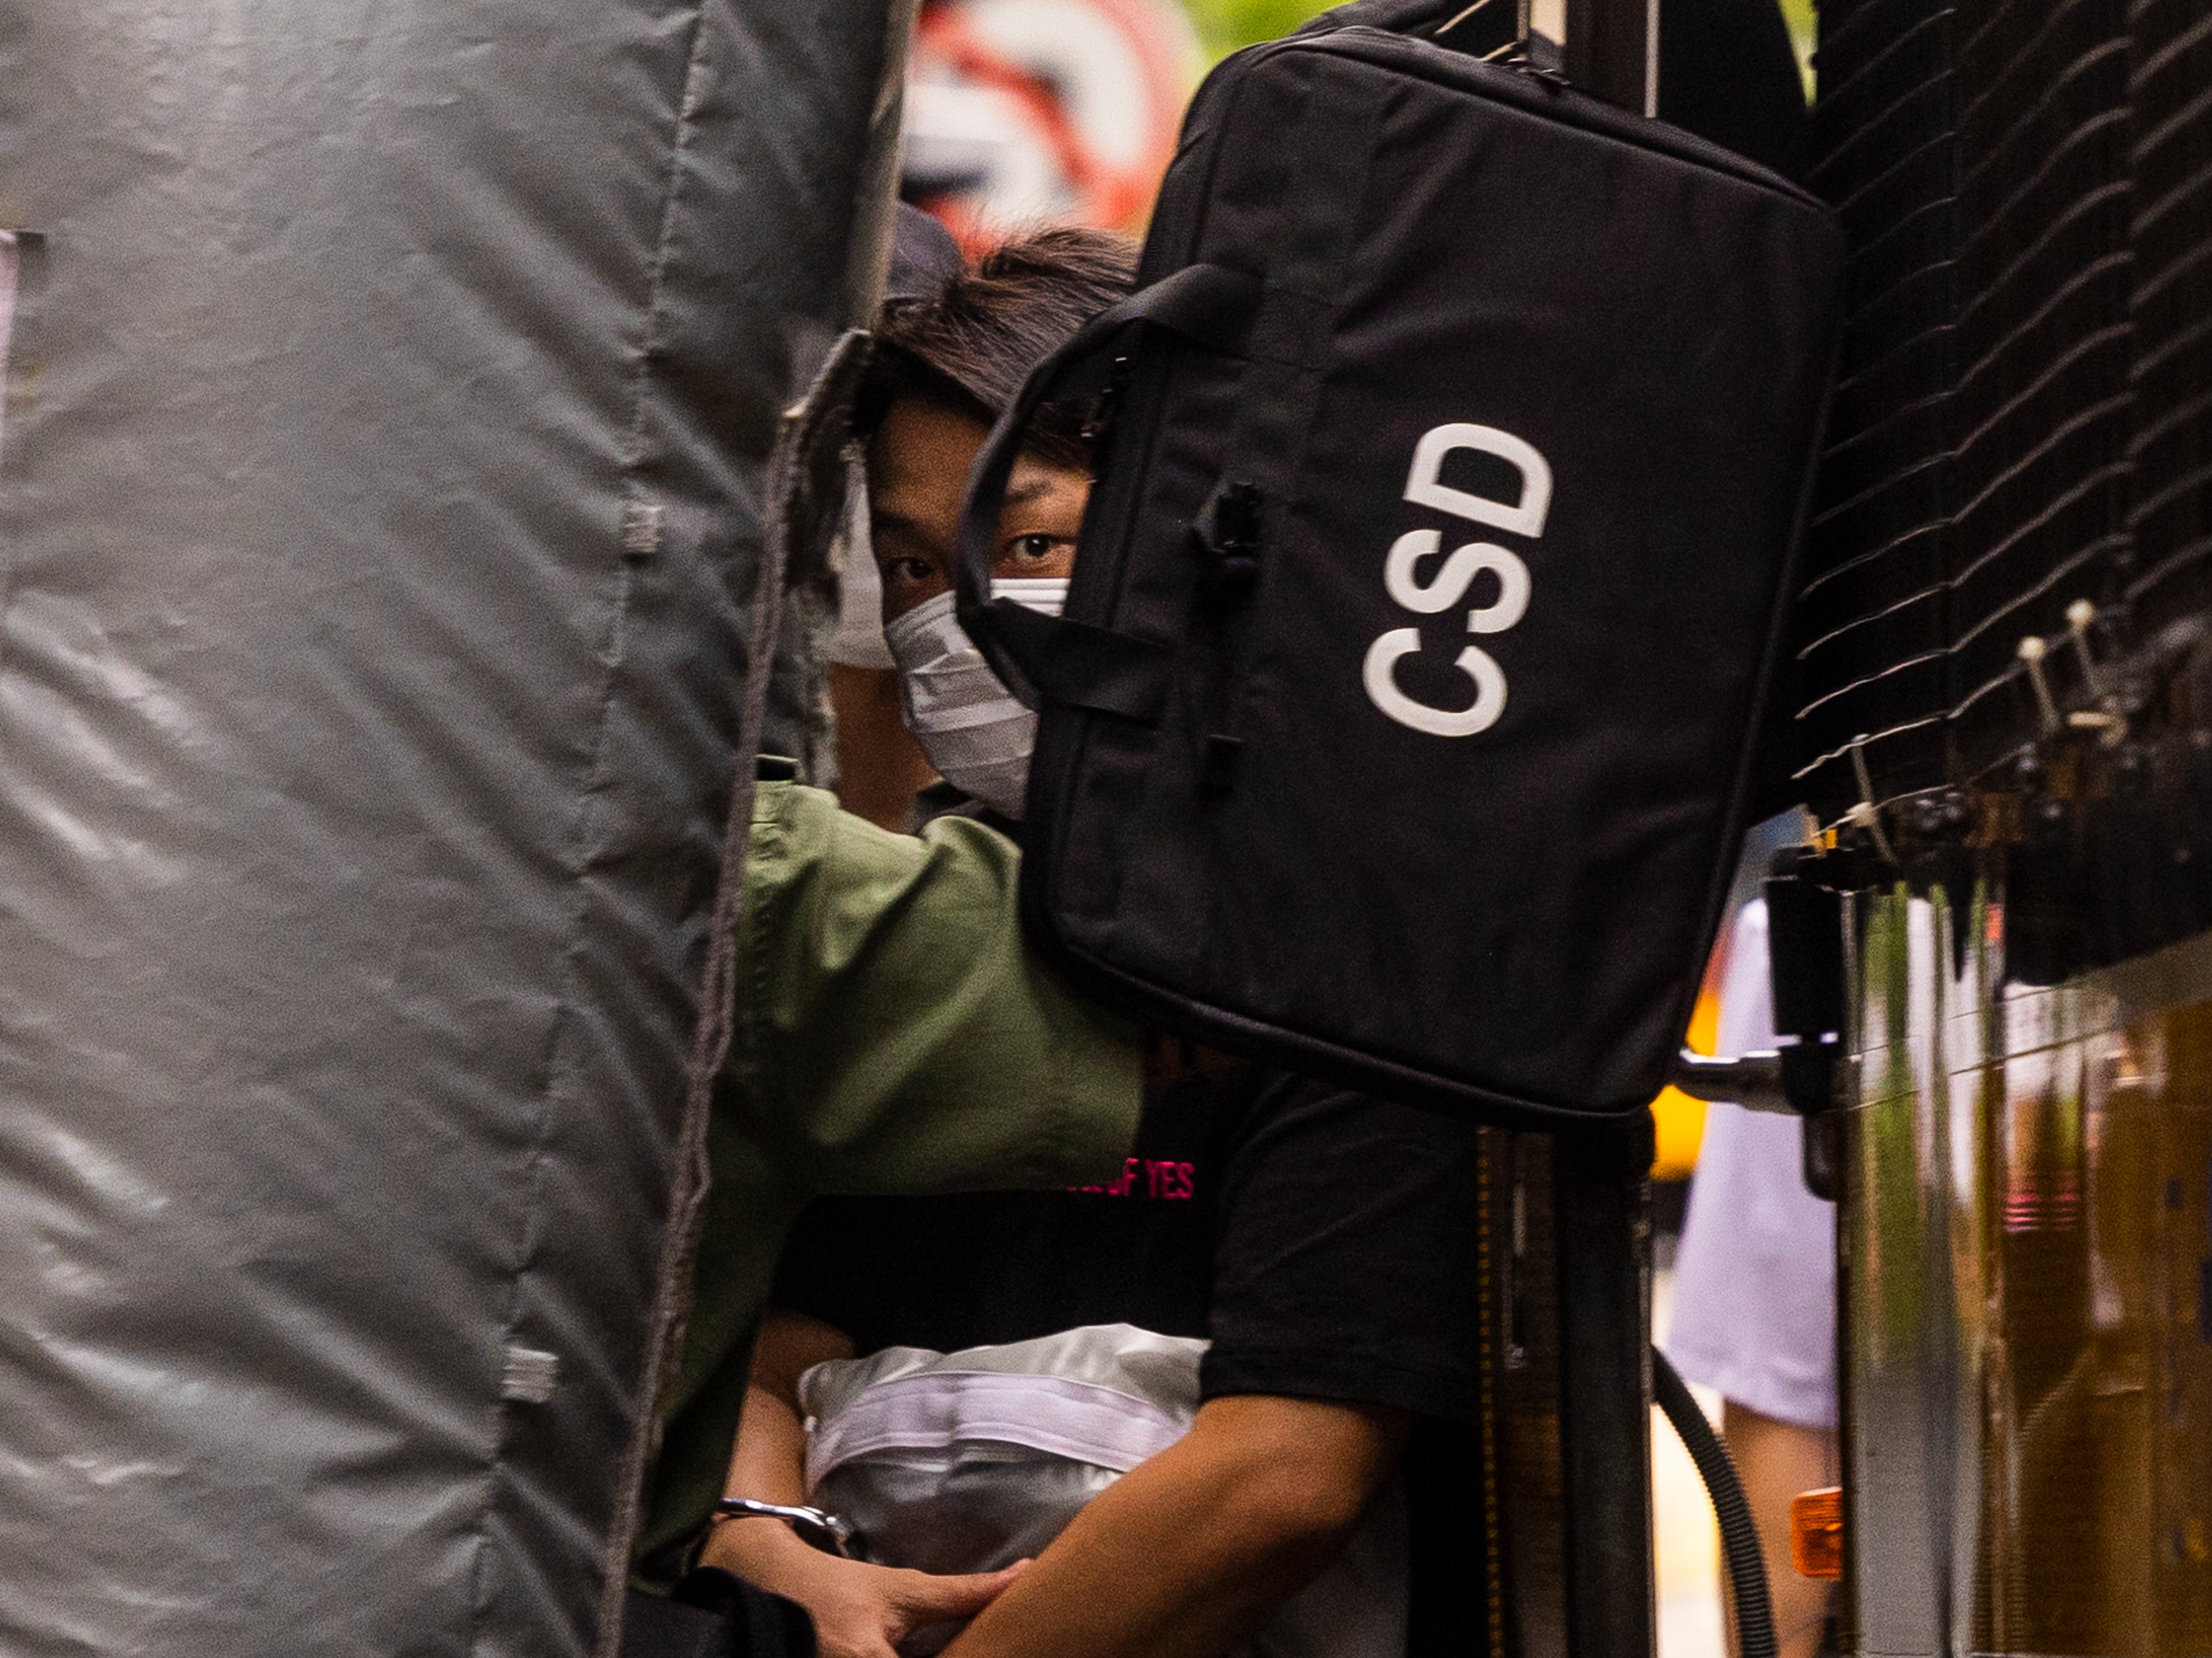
(768, 1465)
(768, 1461)
(1188, 1553)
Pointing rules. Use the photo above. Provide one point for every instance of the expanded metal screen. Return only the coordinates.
(1874, 616)
(2021, 419)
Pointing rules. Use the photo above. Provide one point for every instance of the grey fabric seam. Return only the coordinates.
(614, 1565)
(30, 259)
(532, 1217)
(711, 1034)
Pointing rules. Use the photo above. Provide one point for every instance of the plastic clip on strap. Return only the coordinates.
(1049, 659)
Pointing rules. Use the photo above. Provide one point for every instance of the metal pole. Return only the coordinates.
(1601, 1193)
(1612, 50)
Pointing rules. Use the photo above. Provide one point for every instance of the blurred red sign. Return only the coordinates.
(1023, 111)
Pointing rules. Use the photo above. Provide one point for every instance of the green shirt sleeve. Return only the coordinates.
(893, 1033)
(890, 1033)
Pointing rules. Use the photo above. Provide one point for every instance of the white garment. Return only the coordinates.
(972, 729)
(858, 641)
(1755, 1278)
(967, 1461)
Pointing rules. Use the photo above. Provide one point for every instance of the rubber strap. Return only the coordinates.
(1052, 659)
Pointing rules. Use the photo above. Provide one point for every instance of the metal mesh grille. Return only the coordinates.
(2025, 417)
(1873, 615)
(2041, 406)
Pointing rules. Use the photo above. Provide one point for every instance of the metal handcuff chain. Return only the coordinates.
(815, 1527)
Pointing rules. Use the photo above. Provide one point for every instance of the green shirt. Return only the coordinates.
(891, 1034)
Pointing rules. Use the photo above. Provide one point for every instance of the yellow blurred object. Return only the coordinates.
(1680, 1120)
(1681, 1126)
(1816, 1531)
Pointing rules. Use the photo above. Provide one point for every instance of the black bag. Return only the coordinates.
(1456, 446)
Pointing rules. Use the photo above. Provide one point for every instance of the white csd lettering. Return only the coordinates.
(1526, 519)
(1402, 576)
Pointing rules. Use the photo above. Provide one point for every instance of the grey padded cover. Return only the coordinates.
(388, 408)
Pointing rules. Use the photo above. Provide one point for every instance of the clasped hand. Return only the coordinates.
(859, 1610)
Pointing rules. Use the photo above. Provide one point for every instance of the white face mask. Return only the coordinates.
(969, 725)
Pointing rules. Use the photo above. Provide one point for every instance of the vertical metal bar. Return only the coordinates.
(1894, 1240)
(1492, 1267)
(1531, 1471)
(1612, 50)
(1602, 1196)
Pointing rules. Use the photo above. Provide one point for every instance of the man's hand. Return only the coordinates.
(859, 1611)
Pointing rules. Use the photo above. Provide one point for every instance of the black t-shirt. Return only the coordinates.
(1324, 1241)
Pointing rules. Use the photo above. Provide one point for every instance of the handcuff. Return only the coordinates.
(817, 1527)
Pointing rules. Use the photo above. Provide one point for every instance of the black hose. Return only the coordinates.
(1747, 1563)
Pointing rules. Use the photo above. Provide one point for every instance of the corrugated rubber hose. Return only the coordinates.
(1747, 1566)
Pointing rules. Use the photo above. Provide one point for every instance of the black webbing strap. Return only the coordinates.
(1045, 658)
(1330, 123)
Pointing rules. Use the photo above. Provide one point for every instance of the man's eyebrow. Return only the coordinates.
(879, 521)
(1019, 495)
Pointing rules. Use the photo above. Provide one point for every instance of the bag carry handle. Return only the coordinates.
(1044, 658)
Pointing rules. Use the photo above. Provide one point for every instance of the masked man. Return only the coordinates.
(1302, 1246)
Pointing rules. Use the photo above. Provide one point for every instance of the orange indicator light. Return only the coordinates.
(1816, 1532)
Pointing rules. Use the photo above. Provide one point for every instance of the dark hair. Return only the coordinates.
(971, 343)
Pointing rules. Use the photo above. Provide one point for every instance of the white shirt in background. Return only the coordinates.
(1754, 1315)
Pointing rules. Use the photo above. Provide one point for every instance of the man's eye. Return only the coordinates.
(1033, 548)
(908, 569)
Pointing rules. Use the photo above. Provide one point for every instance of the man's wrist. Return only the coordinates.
(757, 1548)
(815, 1527)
